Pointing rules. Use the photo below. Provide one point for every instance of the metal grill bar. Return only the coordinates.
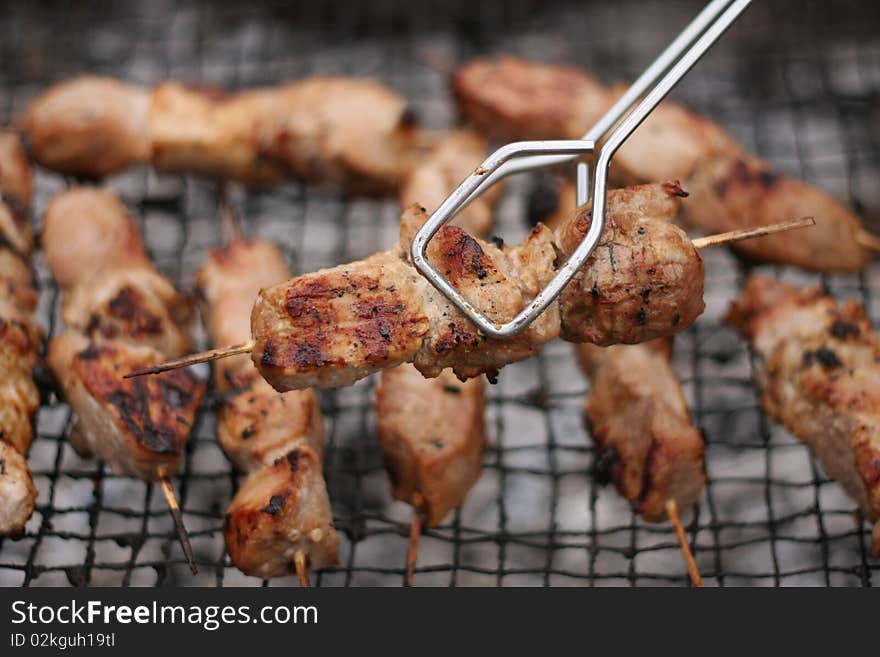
(795, 82)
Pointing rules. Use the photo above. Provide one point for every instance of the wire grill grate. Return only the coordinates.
(795, 82)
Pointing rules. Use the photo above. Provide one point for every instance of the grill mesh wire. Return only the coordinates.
(795, 82)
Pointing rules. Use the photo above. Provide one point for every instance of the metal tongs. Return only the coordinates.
(620, 121)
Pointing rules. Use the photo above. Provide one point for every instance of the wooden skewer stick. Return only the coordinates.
(246, 347)
(415, 533)
(194, 359)
(868, 241)
(749, 233)
(672, 512)
(301, 564)
(176, 514)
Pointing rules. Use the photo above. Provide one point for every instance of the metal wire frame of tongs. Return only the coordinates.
(599, 144)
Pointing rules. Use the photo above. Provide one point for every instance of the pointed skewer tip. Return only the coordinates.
(177, 516)
(693, 570)
(300, 562)
(751, 233)
(195, 359)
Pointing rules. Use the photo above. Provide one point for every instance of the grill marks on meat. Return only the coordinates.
(277, 437)
(19, 338)
(643, 431)
(17, 490)
(314, 324)
(431, 431)
(280, 510)
(137, 427)
(350, 132)
(819, 375)
(308, 331)
(432, 437)
(514, 99)
(119, 313)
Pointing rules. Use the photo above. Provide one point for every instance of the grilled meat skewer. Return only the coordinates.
(817, 369)
(119, 313)
(645, 439)
(513, 99)
(338, 325)
(280, 520)
(432, 437)
(352, 132)
(19, 338)
(644, 434)
(307, 335)
(431, 431)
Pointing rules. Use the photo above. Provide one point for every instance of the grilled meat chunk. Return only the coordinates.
(17, 491)
(89, 126)
(351, 132)
(338, 325)
(645, 279)
(509, 99)
(17, 292)
(742, 191)
(16, 189)
(256, 424)
(137, 427)
(85, 230)
(354, 133)
(210, 132)
(19, 338)
(119, 313)
(515, 99)
(818, 371)
(451, 160)
(135, 304)
(280, 510)
(19, 397)
(645, 439)
(283, 507)
(432, 436)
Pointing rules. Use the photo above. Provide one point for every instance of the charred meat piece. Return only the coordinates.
(16, 189)
(516, 99)
(256, 424)
(335, 326)
(280, 510)
(19, 338)
(818, 369)
(645, 439)
(355, 133)
(133, 304)
(17, 491)
(137, 427)
(277, 437)
(120, 312)
(432, 436)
